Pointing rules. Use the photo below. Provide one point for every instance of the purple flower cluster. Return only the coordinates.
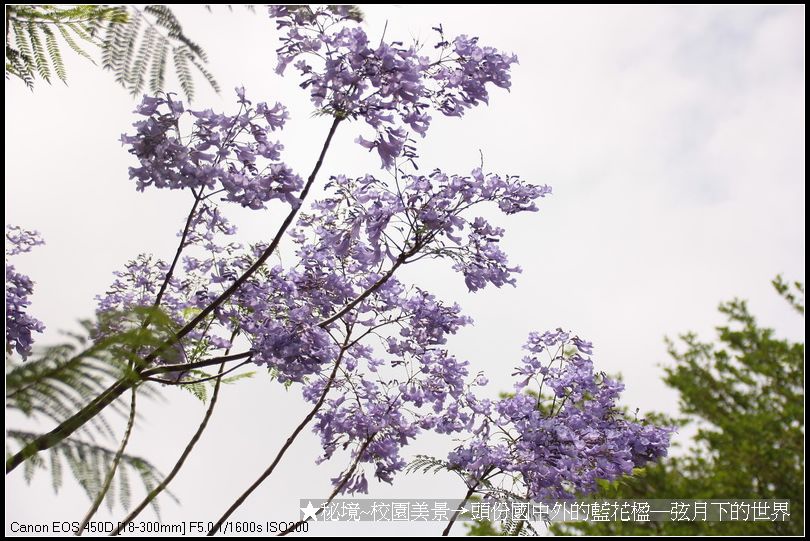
(135, 286)
(229, 154)
(425, 216)
(562, 430)
(210, 263)
(19, 324)
(463, 79)
(384, 397)
(390, 86)
(438, 202)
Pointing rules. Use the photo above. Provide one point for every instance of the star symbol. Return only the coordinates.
(309, 511)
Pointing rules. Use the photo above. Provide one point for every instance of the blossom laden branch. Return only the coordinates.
(70, 425)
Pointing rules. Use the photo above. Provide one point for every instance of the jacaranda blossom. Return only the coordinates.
(20, 325)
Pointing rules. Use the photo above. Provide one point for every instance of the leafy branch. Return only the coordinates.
(136, 44)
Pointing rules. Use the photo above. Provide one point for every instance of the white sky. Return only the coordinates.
(673, 138)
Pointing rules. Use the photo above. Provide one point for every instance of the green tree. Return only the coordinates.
(745, 396)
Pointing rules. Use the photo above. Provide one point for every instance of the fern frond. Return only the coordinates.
(112, 45)
(127, 51)
(145, 52)
(237, 377)
(56, 383)
(137, 51)
(199, 390)
(26, 57)
(428, 464)
(158, 70)
(134, 43)
(53, 51)
(59, 380)
(82, 31)
(17, 66)
(89, 463)
(124, 493)
(165, 18)
(180, 57)
(64, 30)
(205, 73)
(56, 472)
(38, 52)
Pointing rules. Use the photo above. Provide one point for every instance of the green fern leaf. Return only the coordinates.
(237, 377)
(39, 52)
(125, 59)
(136, 76)
(64, 29)
(56, 56)
(181, 56)
(89, 463)
(205, 73)
(158, 70)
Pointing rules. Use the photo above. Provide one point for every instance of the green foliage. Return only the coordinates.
(237, 377)
(89, 464)
(509, 526)
(745, 396)
(57, 381)
(483, 528)
(135, 43)
(60, 379)
(427, 464)
(31, 45)
(197, 381)
(137, 53)
(199, 390)
(793, 293)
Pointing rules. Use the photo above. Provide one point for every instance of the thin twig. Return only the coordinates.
(199, 364)
(241, 499)
(377, 285)
(110, 474)
(201, 380)
(225, 295)
(179, 464)
(337, 490)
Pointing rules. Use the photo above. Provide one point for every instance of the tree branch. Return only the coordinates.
(367, 293)
(67, 427)
(177, 253)
(201, 380)
(199, 364)
(225, 295)
(457, 512)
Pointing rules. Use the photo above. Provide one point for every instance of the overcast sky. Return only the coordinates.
(673, 138)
